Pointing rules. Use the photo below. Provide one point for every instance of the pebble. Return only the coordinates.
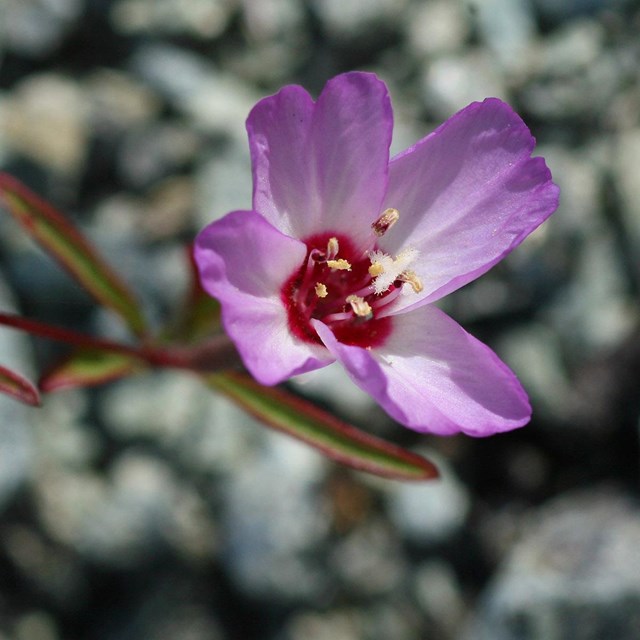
(574, 574)
(429, 512)
(17, 455)
(272, 519)
(435, 28)
(45, 119)
(35, 28)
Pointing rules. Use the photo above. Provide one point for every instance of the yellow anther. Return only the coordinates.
(386, 220)
(412, 279)
(339, 265)
(376, 269)
(360, 306)
(321, 290)
(332, 248)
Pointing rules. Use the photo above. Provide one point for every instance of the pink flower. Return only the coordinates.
(345, 250)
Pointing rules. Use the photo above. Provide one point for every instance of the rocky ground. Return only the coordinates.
(150, 509)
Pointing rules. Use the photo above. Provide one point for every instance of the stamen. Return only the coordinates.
(389, 268)
(360, 306)
(321, 290)
(339, 316)
(379, 303)
(411, 277)
(339, 265)
(332, 248)
(386, 220)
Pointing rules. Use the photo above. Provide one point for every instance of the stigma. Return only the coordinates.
(385, 270)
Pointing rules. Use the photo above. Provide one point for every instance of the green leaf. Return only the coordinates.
(89, 367)
(71, 249)
(18, 387)
(337, 440)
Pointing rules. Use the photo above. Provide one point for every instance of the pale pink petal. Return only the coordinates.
(468, 194)
(433, 377)
(243, 262)
(322, 166)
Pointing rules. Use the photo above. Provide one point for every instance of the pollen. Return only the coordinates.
(339, 265)
(360, 306)
(376, 269)
(386, 220)
(321, 290)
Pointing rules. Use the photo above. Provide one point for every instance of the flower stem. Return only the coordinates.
(215, 354)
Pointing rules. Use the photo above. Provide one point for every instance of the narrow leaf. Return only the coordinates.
(89, 367)
(18, 387)
(71, 249)
(337, 440)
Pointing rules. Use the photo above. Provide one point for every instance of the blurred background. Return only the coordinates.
(150, 509)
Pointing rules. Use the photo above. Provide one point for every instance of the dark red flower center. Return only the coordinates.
(334, 285)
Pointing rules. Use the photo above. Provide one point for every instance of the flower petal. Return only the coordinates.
(433, 377)
(468, 194)
(244, 262)
(323, 166)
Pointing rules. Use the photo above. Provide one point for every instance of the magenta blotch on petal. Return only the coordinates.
(243, 261)
(305, 279)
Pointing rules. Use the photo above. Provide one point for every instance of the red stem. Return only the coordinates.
(214, 355)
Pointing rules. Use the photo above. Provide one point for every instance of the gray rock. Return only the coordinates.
(123, 519)
(149, 154)
(369, 561)
(333, 384)
(574, 574)
(440, 596)
(223, 183)
(358, 17)
(508, 28)
(534, 353)
(186, 420)
(16, 438)
(627, 179)
(45, 119)
(198, 18)
(273, 517)
(428, 512)
(452, 82)
(560, 11)
(438, 27)
(118, 102)
(216, 102)
(36, 27)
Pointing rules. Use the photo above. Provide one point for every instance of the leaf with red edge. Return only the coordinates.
(334, 438)
(90, 367)
(18, 387)
(71, 249)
